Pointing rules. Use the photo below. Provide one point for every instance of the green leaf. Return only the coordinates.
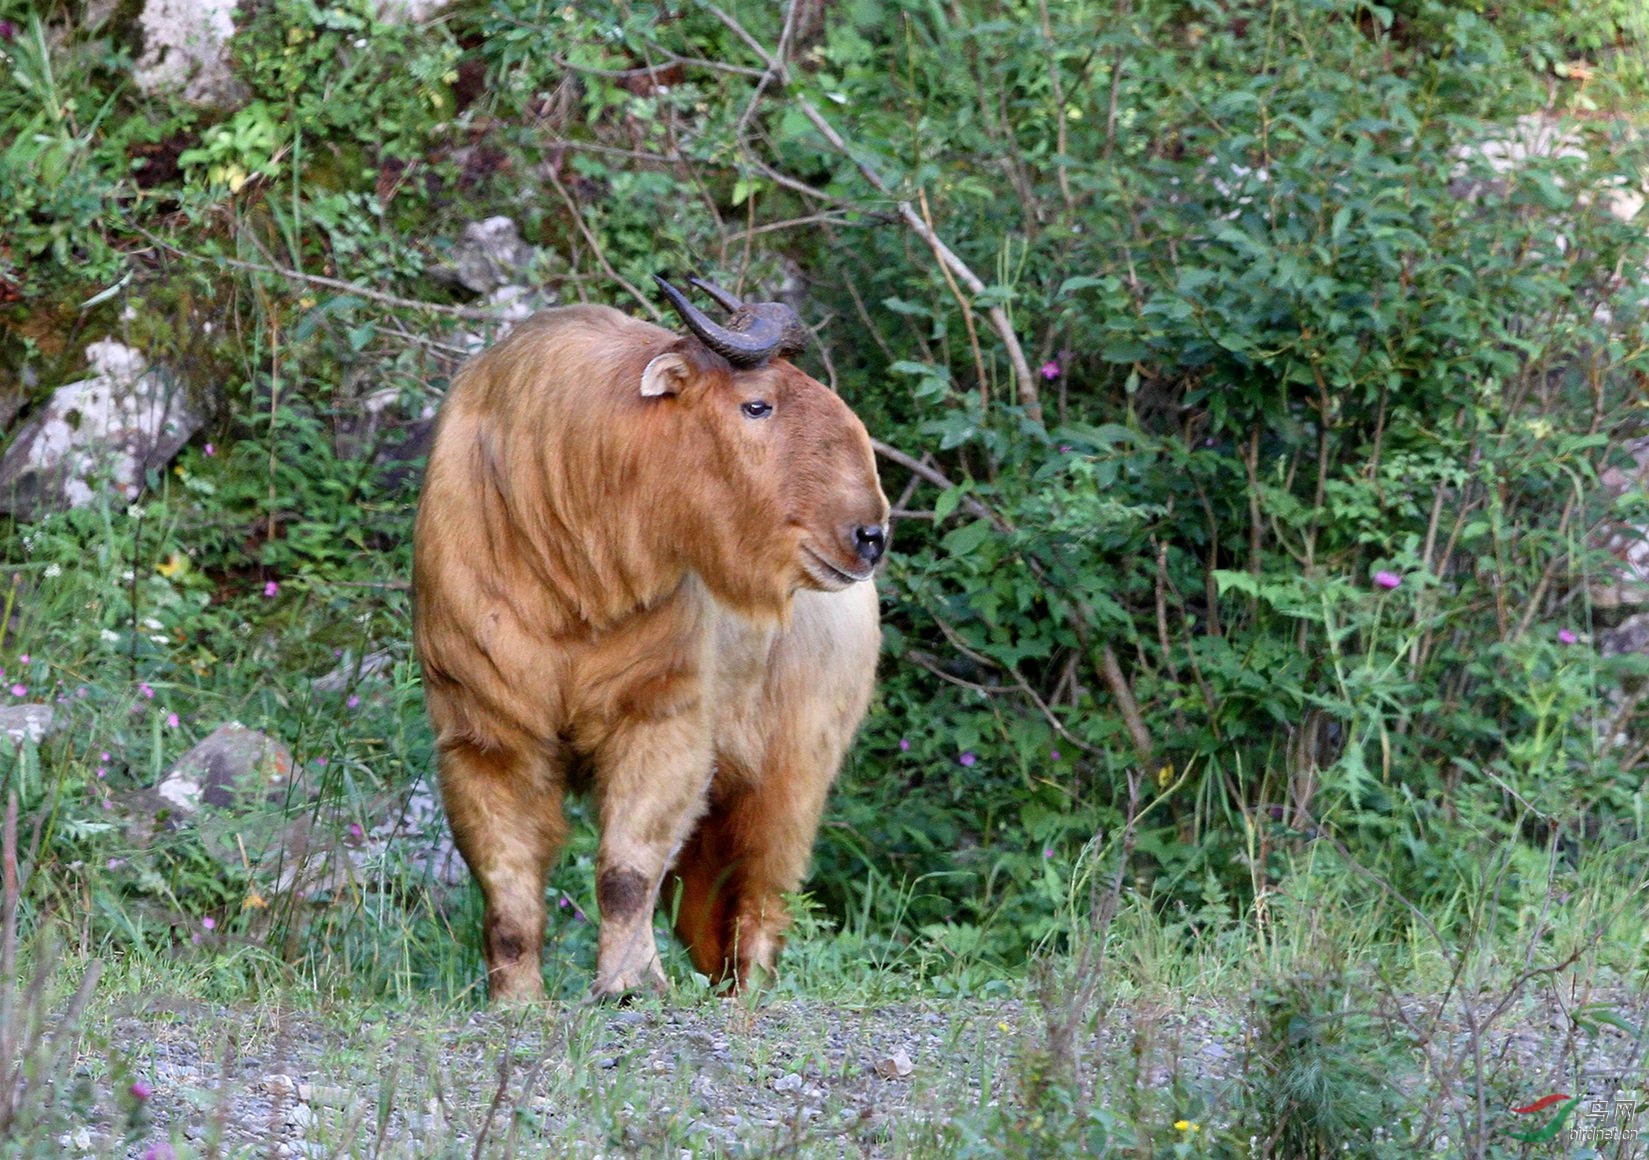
(1082, 282)
(1228, 581)
(965, 540)
(949, 500)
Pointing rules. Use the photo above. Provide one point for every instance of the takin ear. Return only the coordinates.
(668, 374)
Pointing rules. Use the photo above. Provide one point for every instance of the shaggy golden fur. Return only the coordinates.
(624, 582)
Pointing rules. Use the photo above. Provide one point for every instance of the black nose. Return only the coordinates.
(870, 541)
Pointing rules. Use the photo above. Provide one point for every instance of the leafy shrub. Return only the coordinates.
(1247, 441)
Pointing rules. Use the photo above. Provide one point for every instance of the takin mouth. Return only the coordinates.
(828, 574)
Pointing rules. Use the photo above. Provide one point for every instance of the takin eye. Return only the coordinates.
(756, 409)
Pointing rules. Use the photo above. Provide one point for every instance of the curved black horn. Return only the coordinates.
(723, 299)
(749, 346)
(795, 333)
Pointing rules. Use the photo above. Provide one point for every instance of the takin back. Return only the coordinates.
(643, 570)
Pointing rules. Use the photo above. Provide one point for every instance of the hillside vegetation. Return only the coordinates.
(1248, 379)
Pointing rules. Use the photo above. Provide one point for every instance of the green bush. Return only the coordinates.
(1291, 519)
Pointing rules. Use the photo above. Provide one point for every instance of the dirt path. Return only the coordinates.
(779, 1077)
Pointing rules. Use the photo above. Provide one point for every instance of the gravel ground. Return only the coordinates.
(781, 1075)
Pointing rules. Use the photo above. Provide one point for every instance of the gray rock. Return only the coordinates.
(103, 432)
(374, 667)
(186, 50)
(1629, 636)
(1628, 543)
(232, 765)
(489, 255)
(26, 722)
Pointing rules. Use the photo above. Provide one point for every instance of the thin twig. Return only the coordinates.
(473, 313)
(1029, 397)
(595, 247)
(964, 304)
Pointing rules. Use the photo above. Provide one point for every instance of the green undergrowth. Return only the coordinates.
(1249, 621)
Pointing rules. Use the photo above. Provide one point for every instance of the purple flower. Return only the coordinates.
(160, 1150)
(19, 690)
(171, 720)
(1566, 636)
(1047, 851)
(1054, 753)
(147, 690)
(8, 30)
(904, 745)
(1387, 580)
(352, 701)
(104, 756)
(271, 588)
(355, 830)
(320, 761)
(101, 772)
(209, 922)
(967, 758)
(141, 1090)
(210, 450)
(1050, 370)
(24, 658)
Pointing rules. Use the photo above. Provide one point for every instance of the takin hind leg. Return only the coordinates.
(750, 850)
(505, 811)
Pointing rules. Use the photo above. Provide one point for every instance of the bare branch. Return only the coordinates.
(595, 248)
(475, 313)
(1029, 396)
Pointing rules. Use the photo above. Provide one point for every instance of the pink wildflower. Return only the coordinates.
(1387, 580)
(271, 588)
(1050, 370)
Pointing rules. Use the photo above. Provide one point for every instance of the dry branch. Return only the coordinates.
(1024, 380)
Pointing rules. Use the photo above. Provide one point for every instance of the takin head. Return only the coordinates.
(588, 462)
(784, 469)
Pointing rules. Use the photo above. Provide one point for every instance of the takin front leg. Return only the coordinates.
(651, 782)
(505, 811)
(751, 849)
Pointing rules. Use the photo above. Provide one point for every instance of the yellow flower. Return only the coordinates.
(1186, 1126)
(172, 565)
